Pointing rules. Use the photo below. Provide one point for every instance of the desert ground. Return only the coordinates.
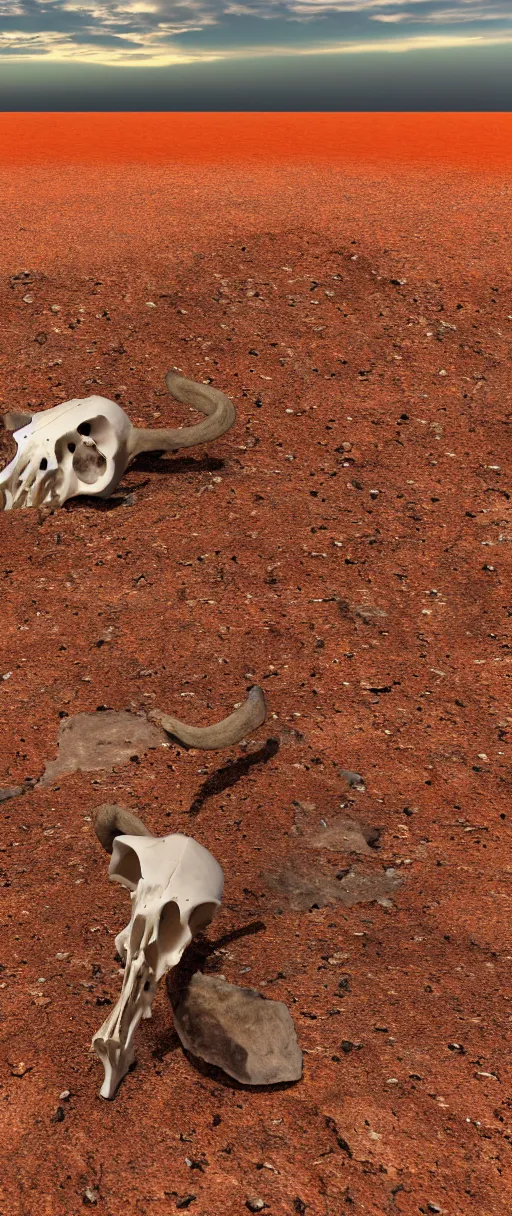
(346, 281)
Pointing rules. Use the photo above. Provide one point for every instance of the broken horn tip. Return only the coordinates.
(256, 694)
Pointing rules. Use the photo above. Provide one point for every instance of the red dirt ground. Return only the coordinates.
(362, 302)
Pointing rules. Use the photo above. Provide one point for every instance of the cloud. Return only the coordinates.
(449, 16)
(166, 32)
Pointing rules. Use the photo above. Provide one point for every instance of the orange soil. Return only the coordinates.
(479, 141)
(347, 545)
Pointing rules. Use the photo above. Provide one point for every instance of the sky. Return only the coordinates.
(258, 55)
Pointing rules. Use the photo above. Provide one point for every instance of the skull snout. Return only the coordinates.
(36, 477)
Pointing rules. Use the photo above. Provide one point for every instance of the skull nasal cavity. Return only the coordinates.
(44, 464)
(170, 929)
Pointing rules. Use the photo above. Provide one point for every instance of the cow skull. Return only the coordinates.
(175, 888)
(85, 446)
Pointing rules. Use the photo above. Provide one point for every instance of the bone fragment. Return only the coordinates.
(175, 889)
(85, 445)
(247, 718)
(218, 408)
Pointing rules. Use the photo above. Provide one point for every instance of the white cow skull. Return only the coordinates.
(85, 446)
(176, 887)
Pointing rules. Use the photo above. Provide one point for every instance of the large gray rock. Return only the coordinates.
(250, 1038)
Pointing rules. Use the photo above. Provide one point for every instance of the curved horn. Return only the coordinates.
(111, 821)
(245, 719)
(210, 401)
(15, 419)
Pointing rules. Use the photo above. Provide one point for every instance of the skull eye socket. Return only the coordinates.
(201, 917)
(44, 464)
(88, 463)
(84, 428)
(127, 869)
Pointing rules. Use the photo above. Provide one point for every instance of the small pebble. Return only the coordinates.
(353, 779)
(255, 1205)
(19, 1070)
(90, 1195)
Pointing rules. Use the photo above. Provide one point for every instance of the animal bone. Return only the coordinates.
(246, 718)
(85, 446)
(175, 889)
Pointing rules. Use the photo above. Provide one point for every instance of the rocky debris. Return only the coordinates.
(342, 834)
(347, 836)
(354, 780)
(373, 887)
(101, 740)
(250, 1038)
(19, 1070)
(11, 791)
(302, 889)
